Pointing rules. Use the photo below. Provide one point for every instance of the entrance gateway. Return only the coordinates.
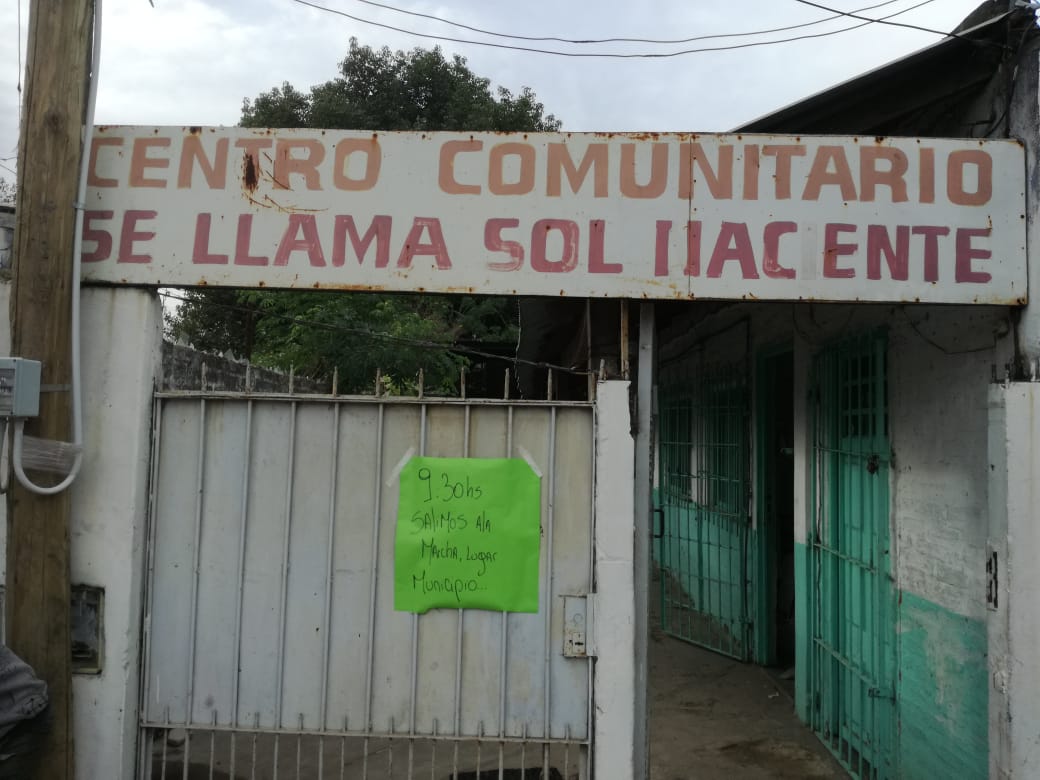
(269, 616)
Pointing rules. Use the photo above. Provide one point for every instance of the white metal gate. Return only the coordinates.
(270, 634)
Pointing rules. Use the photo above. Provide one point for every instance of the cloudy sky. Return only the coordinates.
(191, 62)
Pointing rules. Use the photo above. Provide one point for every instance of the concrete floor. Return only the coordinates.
(713, 717)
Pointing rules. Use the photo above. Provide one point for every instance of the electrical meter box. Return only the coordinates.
(19, 387)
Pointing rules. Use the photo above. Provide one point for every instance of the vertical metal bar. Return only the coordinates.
(548, 584)
(286, 539)
(256, 726)
(277, 737)
(642, 554)
(590, 379)
(153, 522)
(194, 603)
(461, 613)
(239, 597)
(212, 745)
(373, 576)
(330, 573)
(504, 630)
(415, 617)
(186, 759)
(234, 752)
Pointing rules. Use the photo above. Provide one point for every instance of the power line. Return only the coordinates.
(583, 41)
(608, 55)
(884, 20)
(380, 336)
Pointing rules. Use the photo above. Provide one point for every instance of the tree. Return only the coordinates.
(319, 333)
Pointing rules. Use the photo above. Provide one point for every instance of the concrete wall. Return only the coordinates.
(940, 369)
(121, 352)
(121, 360)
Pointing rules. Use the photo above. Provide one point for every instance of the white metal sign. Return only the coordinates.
(574, 214)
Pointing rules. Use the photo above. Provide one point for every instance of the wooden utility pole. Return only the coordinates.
(49, 154)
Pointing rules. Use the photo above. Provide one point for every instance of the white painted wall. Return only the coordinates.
(1015, 625)
(121, 337)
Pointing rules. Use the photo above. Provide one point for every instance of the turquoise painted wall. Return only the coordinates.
(943, 693)
(942, 688)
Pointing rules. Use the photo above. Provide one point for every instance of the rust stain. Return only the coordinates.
(250, 174)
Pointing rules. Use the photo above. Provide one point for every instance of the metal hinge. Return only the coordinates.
(579, 626)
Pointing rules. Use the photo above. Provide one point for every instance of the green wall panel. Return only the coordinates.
(943, 693)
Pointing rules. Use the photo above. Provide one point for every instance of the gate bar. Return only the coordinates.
(291, 467)
(247, 460)
(641, 553)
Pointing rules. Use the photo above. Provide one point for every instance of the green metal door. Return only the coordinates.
(851, 652)
(703, 504)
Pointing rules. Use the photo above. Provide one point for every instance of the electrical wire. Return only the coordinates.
(388, 337)
(609, 55)
(670, 41)
(77, 260)
(884, 20)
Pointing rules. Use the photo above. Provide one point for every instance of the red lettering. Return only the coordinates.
(434, 248)
(955, 189)
(931, 235)
(129, 235)
(822, 175)
(733, 243)
(446, 171)
(215, 171)
(966, 253)
(658, 180)
(92, 176)
(832, 250)
(285, 165)
(101, 238)
(664, 229)
(242, 256)
(200, 253)
(770, 257)
(897, 257)
(539, 239)
(718, 179)
(378, 231)
(140, 162)
(494, 242)
(307, 226)
(597, 231)
(693, 249)
(373, 161)
(782, 177)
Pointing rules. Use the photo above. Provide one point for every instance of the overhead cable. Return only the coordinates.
(582, 41)
(609, 55)
(884, 20)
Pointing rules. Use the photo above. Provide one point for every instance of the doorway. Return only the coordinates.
(775, 593)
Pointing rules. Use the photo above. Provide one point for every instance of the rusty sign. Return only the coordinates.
(577, 214)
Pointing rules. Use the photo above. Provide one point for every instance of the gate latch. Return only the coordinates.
(578, 614)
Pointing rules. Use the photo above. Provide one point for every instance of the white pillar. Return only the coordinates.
(122, 341)
(614, 620)
(1014, 549)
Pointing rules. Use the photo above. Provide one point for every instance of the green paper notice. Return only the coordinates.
(468, 535)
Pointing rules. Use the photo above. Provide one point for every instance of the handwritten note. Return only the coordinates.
(468, 535)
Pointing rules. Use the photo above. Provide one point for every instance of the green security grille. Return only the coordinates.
(703, 514)
(851, 652)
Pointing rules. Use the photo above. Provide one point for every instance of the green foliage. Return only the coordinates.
(318, 333)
